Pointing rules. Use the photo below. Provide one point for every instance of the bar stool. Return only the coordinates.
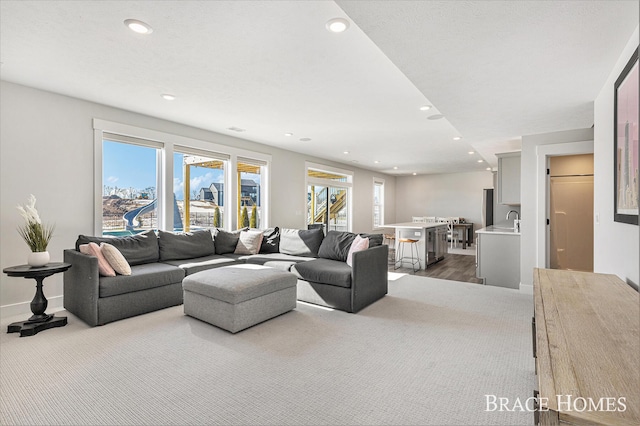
(401, 259)
(390, 240)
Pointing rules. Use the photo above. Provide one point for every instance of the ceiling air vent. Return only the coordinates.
(235, 129)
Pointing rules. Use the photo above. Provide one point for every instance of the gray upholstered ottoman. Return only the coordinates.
(239, 296)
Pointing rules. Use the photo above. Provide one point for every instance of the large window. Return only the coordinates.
(378, 202)
(198, 188)
(155, 180)
(329, 198)
(250, 189)
(129, 186)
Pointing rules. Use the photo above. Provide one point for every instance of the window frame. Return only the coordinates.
(165, 170)
(378, 182)
(348, 174)
(264, 190)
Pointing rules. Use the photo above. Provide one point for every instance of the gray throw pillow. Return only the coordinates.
(189, 245)
(301, 242)
(136, 249)
(335, 245)
(225, 241)
(374, 239)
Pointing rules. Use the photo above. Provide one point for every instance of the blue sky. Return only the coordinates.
(128, 166)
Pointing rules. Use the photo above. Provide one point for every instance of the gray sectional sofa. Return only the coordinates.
(159, 262)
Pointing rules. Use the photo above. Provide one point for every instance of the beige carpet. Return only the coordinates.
(428, 353)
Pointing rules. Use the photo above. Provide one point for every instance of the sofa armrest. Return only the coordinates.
(81, 286)
(369, 280)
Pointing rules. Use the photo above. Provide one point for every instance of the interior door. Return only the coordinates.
(571, 223)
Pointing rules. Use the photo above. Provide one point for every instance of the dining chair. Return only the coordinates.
(456, 234)
(449, 222)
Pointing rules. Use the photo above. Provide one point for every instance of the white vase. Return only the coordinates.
(38, 258)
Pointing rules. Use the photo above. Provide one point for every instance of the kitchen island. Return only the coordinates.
(432, 239)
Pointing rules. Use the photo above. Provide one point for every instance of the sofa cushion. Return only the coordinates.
(143, 277)
(374, 239)
(335, 245)
(249, 242)
(261, 259)
(270, 240)
(177, 246)
(225, 241)
(300, 242)
(191, 266)
(137, 249)
(324, 271)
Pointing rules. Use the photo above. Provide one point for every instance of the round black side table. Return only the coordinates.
(39, 320)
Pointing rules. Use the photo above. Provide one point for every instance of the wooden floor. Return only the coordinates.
(456, 267)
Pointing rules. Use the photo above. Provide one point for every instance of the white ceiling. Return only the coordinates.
(495, 70)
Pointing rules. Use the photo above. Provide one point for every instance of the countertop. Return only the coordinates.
(414, 225)
(502, 230)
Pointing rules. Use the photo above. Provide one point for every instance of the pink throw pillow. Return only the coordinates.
(358, 244)
(92, 249)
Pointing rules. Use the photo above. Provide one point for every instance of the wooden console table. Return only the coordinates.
(587, 348)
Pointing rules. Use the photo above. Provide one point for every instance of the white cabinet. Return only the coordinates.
(509, 178)
(498, 258)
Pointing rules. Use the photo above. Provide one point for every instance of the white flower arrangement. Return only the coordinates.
(35, 233)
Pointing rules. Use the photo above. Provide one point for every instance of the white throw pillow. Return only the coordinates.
(115, 259)
(358, 244)
(249, 242)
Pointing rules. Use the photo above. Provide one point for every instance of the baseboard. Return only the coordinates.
(526, 288)
(54, 304)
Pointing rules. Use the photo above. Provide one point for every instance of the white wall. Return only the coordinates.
(616, 244)
(533, 197)
(451, 194)
(46, 149)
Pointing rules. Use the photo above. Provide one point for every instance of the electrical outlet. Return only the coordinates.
(597, 218)
(417, 233)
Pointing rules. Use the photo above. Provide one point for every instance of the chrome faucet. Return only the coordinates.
(516, 222)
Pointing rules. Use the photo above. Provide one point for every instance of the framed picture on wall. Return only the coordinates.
(625, 134)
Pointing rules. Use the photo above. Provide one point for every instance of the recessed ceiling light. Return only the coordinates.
(489, 168)
(471, 152)
(337, 25)
(376, 162)
(288, 134)
(168, 97)
(138, 26)
(480, 161)
(395, 167)
(345, 152)
(305, 139)
(414, 173)
(456, 138)
(425, 107)
(435, 117)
